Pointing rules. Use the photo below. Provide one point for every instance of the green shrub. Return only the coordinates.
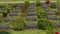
(42, 15)
(3, 32)
(17, 24)
(26, 3)
(38, 3)
(49, 28)
(52, 6)
(4, 14)
(8, 10)
(57, 13)
(41, 24)
(1, 6)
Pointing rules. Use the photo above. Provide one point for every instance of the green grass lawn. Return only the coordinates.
(31, 31)
(14, 0)
(23, 0)
(34, 31)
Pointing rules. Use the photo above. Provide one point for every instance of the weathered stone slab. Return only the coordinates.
(53, 17)
(31, 18)
(13, 14)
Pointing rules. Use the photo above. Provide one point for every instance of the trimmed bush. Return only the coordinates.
(17, 24)
(8, 10)
(42, 15)
(57, 13)
(27, 3)
(1, 6)
(41, 24)
(38, 3)
(52, 6)
(4, 14)
(3, 32)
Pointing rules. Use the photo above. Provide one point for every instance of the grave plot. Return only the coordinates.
(31, 7)
(56, 24)
(52, 17)
(16, 11)
(16, 8)
(20, 4)
(45, 7)
(53, 5)
(50, 12)
(31, 12)
(31, 18)
(31, 26)
(2, 9)
(13, 14)
(58, 8)
(4, 27)
(32, 4)
(8, 19)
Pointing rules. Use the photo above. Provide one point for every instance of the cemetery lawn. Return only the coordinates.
(34, 31)
(21, 0)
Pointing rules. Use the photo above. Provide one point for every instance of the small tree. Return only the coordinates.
(4, 14)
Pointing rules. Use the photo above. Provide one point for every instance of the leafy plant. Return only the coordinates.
(41, 24)
(38, 3)
(4, 32)
(4, 14)
(49, 28)
(1, 6)
(52, 6)
(8, 10)
(42, 15)
(57, 13)
(27, 3)
(17, 24)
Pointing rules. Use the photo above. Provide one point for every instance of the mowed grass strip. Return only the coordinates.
(34, 31)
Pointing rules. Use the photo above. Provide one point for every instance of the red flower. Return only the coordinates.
(56, 32)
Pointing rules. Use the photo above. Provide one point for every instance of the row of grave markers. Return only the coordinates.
(31, 16)
(32, 13)
(50, 14)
